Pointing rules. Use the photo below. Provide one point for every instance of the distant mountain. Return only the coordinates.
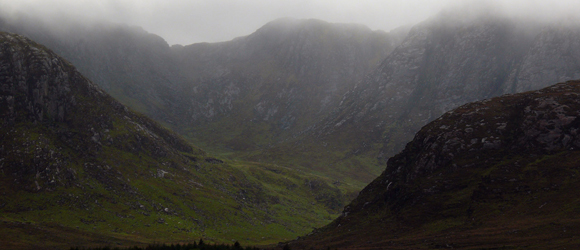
(334, 99)
(258, 90)
(498, 173)
(444, 62)
(553, 56)
(77, 168)
(240, 96)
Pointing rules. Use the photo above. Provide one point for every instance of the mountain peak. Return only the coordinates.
(284, 27)
(296, 22)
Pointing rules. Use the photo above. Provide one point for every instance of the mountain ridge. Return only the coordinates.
(261, 96)
(440, 65)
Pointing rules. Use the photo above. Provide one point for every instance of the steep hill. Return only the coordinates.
(498, 173)
(135, 67)
(79, 168)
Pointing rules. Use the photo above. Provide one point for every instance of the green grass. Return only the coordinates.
(118, 195)
(277, 206)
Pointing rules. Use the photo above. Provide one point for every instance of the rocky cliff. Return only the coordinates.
(42, 91)
(494, 173)
(443, 63)
(271, 85)
(135, 67)
(553, 56)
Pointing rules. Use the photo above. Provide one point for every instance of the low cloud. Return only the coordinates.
(191, 21)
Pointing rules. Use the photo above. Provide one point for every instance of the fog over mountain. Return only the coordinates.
(295, 115)
(297, 78)
(185, 22)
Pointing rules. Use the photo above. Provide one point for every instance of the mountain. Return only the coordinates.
(237, 97)
(135, 67)
(553, 56)
(314, 108)
(79, 168)
(498, 173)
(332, 99)
(444, 62)
(258, 90)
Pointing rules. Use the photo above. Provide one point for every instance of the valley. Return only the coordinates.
(79, 168)
(110, 136)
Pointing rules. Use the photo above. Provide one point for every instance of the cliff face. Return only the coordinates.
(443, 63)
(553, 56)
(33, 84)
(278, 81)
(474, 175)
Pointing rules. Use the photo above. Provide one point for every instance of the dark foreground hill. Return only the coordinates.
(77, 168)
(496, 174)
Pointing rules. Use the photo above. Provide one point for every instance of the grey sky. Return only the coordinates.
(191, 21)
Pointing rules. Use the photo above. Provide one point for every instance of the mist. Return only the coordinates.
(186, 22)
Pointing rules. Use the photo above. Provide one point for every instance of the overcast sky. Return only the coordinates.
(191, 21)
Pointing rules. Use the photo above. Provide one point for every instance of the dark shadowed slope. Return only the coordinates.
(496, 173)
(79, 168)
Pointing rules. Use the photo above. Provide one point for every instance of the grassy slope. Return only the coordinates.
(132, 198)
